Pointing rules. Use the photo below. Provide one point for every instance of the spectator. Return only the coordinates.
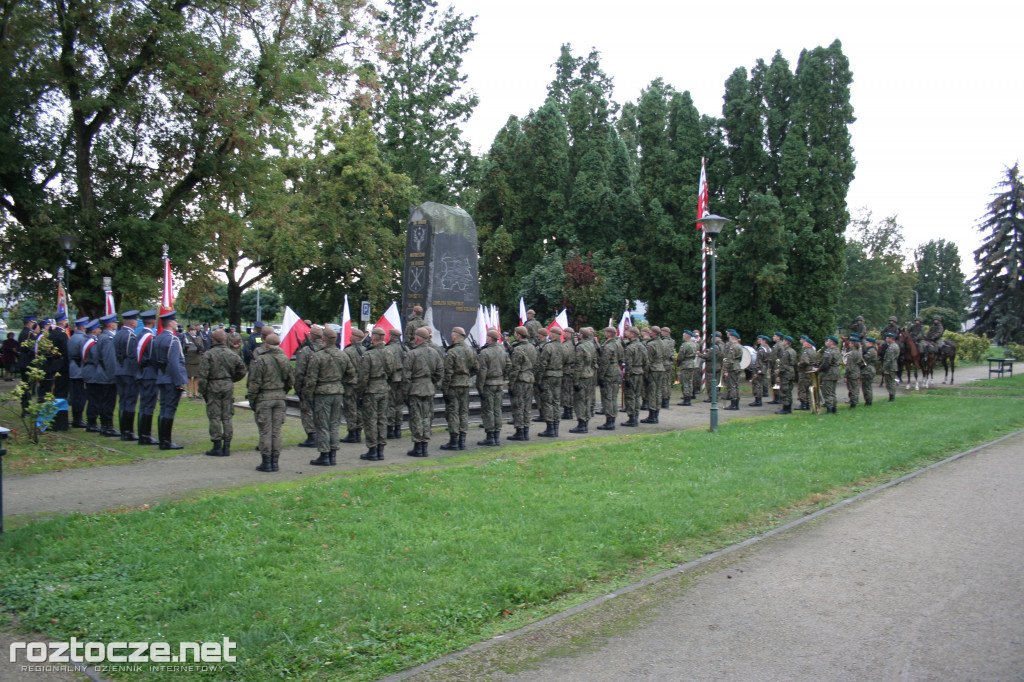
(193, 346)
(9, 356)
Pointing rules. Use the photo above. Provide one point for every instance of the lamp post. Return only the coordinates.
(68, 242)
(713, 225)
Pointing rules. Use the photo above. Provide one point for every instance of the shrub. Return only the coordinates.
(969, 347)
(1014, 350)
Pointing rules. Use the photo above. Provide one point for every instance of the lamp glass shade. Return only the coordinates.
(67, 241)
(713, 224)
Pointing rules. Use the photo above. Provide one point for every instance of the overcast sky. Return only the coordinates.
(937, 90)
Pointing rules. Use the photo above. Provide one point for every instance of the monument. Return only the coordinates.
(441, 268)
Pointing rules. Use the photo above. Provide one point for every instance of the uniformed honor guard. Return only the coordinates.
(521, 380)
(584, 370)
(414, 323)
(314, 341)
(354, 350)
(396, 394)
(424, 371)
(635, 359)
(828, 373)
(326, 373)
(146, 376)
(777, 348)
(105, 378)
(669, 348)
(654, 377)
(219, 369)
(731, 369)
(127, 369)
(857, 327)
(853, 362)
(609, 376)
(90, 367)
(867, 372)
(714, 370)
(76, 391)
(549, 373)
(685, 367)
(270, 379)
(889, 365)
(493, 370)
(759, 369)
(171, 377)
(533, 325)
(808, 360)
(460, 368)
(785, 372)
(375, 380)
(568, 348)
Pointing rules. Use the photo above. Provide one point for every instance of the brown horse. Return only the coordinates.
(947, 353)
(911, 358)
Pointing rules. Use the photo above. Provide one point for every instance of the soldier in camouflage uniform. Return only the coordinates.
(685, 367)
(808, 360)
(635, 359)
(219, 369)
(916, 332)
(375, 379)
(533, 326)
(828, 373)
(423, 373)
(270, 379)
(889, 365)
(785, 372)
(714, 370)
(731, 370)
(414, 323)
(669, 359)
(460, 368)
(521, 379)
(396, 392)
(327, 372)
(857, 327)
(853, 361)
(759, 368)
(549, 374)
(354, 350)
(867, 372)
(314, 342)
(584, 366)
(653, 376)
(540, 338)
(568, 347)
(493, 372)
(609, 376)
(234, 341)
(777, 348)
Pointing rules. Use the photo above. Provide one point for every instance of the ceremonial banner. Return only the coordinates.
(293, 332)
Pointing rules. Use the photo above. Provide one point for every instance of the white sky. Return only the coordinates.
(937, 90)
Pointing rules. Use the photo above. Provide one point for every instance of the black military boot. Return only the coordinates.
(868, 402)
(217, 450)
(370, 454)
(645, 406)
(764, 393)
(488, 439)
(518, 435)
(462, 441)
(853, 405)
(775, 400)
(581, 427)
(273, 460)
(380, 453)
(453, 442)
(566, 413)
(892, 398)
(803, 406)
(786, 409)
(324, 460)
(631, 421)
(550, 431)
(756, 403)
(310, 441)
(664, 403)
(652, 417)
(352, 437)
(226, 447)
(539, 419)
(166, 426)
(146, 430)
(397, 432)
(734, 404)
(265, 465)
(333, 454)
(415, 452)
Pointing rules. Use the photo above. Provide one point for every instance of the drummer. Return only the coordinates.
(732, 368)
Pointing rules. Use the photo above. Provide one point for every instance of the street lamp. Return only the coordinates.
(67, 242)
(713, 225)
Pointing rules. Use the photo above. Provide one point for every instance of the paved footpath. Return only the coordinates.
(922, 580)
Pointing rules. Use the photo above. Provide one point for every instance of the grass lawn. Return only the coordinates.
(359, 575)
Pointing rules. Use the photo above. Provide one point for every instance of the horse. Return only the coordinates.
(911, 358)
(947, 353)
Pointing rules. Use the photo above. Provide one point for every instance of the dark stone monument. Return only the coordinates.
(441, 268)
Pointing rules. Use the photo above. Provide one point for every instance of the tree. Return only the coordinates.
(876, 284)
(590, 286)
(940, 281)
(997, 287)
(420, 105)
(118, 118)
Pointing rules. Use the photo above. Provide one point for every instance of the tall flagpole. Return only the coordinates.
(702, 210)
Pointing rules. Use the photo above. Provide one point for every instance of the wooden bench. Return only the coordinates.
(1000, 366)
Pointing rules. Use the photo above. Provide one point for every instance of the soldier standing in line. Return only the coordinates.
(219, 369)
(635, 359)
(270, 379)
(889, 366)
(90, 367)
(521, 380)
(171, 377)
(314, 341)
(653, 376)
(127, 368)
(25, 357)
(584, 364)
(539, 340)
(867, 372)
(414, 323)
(685, 362)
(759, 366)
(396, 394)
(327, 371)
(493, 372)
(731, 369)
(375, 379)
(460, 367)
(828, 370)
(808, 360)
(533, 325)
(669, 360)
(77, 397)
(234, 341)
(568, 348)
(774, 362)
(105, 377)
(549, 373)
(853, 362)
(424, 372)
(354, 350)
(146, 377)
(785, 370)
(609, 376)
(715, 370)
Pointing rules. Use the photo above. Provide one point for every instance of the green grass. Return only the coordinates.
(359, 575)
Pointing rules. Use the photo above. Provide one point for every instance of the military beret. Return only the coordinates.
(130, 315)
(82, 321)
(666, 330)
(330, 334)
(493, 333)
(762, 336)
(357, 333)
(394, 333)
(869, 339)
(542, 332)
(853, 337)
(890, 334)
(423, 333)
(316, 330)
(521, 331)
(835, 340)
(787, 337)
(779, 334)
(611, 330)
(655, 329)
(272, 339)
(379, 331)
(148, 315)
(112, 317)
(92, 325)
(718, 335)
(455, 330)
(687, 332)
(804, 337)
(531, 311)
(732, 332)
(569, 330)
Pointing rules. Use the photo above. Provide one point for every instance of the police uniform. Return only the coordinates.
(76, 389)
(171, 379)
(105, 377)
(127, 369)
(145, 376)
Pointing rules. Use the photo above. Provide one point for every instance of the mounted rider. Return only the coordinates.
(933, 339)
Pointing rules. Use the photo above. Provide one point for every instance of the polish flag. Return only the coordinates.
(293, 332)
(346, 325)
(702, 195)
(522, 311)
(108, 306)
(496, 318)
(167, 299)
(626, 321)
(391, 319)
(561, 321)
(479, 331)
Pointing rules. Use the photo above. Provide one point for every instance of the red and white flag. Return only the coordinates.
(625, 321)
(561, 321)
(346, 325)
(108, 303)
(522, 311)
(167, 298)
(702, 195)
(391, 319)
(496, 319)
(293, 332)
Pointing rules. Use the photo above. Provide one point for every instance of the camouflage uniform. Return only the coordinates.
(376, 376)
(669, 359)
(460, 368)
(785, 372)
(493, 372)
(867, 373)
(609, 379)
(584, 364)
(808, 359)
(411, 326)
(685, 361)
(532, 325)
(759, 367)
(327, 371)
(302, 357)
(731, 373)
(396, 393)
(568, 348)
(521, 378)
(853, 363)
(889, 367)
(270, 379)
(353, 420)
(857, 328)
(549, 373)
(635, 357)
(828, 375)
(653, 378)
(219, 369)
(714, 371)
(423, 372)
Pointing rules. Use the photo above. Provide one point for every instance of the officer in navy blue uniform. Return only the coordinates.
(57, 367)
(90, 368)
(145, 375)
(171, 377)
(127, 368)
(107, 379)
(76, 392)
